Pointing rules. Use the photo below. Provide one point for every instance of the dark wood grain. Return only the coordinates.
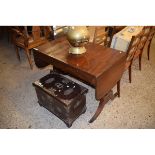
(100, 67)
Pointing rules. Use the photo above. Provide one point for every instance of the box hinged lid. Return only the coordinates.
(60, 87)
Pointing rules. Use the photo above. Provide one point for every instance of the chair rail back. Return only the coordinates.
(133, 47)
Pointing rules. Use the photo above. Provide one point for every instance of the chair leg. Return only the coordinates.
(129, 73)
(30, 51)
(148, 51)
(17, 52)
(118, 88)
(140, 62)
(29, 58)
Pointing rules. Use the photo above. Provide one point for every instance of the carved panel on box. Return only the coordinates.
(61, 96)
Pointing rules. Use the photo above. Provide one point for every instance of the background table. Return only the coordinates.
(121, 40)
(99, 67)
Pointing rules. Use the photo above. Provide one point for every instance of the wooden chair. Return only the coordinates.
(48, 32)
(59, 31)
(144, 36)
(10, 32)
(131, 52)
(101, 36)
(150, 37)
(23, 38)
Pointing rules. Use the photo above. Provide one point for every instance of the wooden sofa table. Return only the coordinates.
(99, 67)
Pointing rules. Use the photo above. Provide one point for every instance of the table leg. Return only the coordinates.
(118, 90)
(98, 111)
(104, 100)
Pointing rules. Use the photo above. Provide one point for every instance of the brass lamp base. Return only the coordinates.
(77, 50)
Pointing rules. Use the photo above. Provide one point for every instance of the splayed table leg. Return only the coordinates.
(103, 101)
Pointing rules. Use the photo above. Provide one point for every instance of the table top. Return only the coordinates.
(94, 62)
(99, 66)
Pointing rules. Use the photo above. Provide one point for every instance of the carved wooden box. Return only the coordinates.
(61, 96)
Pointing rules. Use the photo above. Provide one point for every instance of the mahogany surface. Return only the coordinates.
(100, 67)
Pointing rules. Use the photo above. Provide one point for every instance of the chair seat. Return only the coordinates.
(100, 40)
(31, 42)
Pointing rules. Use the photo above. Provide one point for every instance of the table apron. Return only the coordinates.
(85, 77)
(41, 60)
